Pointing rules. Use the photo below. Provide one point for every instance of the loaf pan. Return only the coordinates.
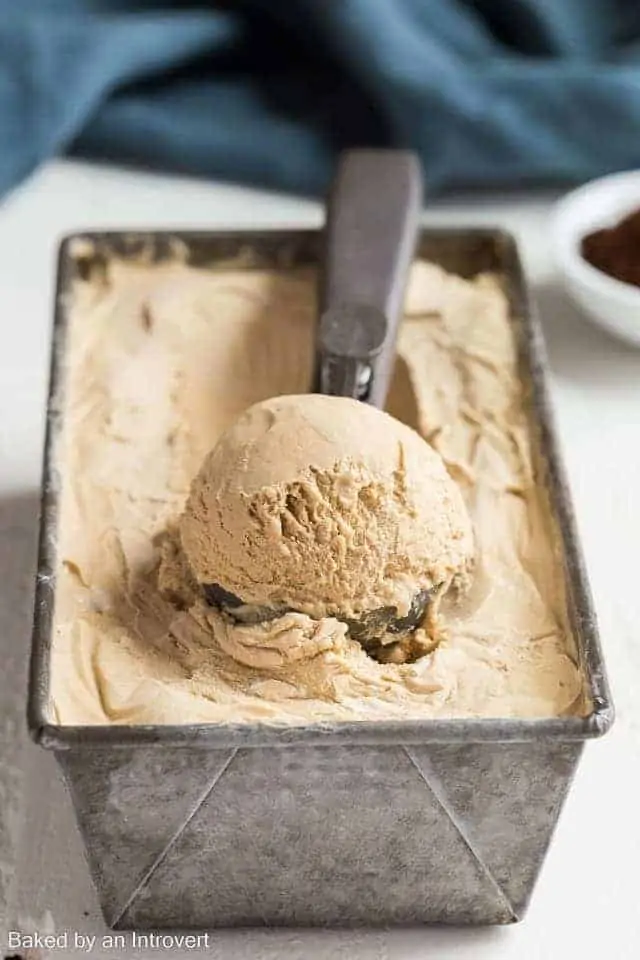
(434, 821)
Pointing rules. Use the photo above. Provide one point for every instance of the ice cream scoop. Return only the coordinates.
(277, 561)
(326, 506)
(369, 243)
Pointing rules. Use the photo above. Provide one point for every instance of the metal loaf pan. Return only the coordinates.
(329, 824)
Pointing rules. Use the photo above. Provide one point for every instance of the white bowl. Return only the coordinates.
(610, 303)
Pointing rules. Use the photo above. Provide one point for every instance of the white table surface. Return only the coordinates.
(587, 903)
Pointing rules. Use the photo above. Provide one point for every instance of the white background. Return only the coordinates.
(587, 903)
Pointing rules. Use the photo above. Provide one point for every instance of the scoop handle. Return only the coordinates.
(370, 238)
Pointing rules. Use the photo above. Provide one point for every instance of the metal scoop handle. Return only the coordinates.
(370, 238)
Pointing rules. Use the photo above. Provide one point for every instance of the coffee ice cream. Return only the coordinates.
(326, 506)
(160, 361)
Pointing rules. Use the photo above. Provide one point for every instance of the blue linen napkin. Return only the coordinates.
(265, 92)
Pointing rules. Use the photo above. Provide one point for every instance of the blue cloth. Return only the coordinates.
(266, 91)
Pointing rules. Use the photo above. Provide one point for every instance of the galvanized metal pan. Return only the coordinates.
(259, 824)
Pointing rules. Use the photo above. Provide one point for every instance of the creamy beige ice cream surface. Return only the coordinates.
(160, 361)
